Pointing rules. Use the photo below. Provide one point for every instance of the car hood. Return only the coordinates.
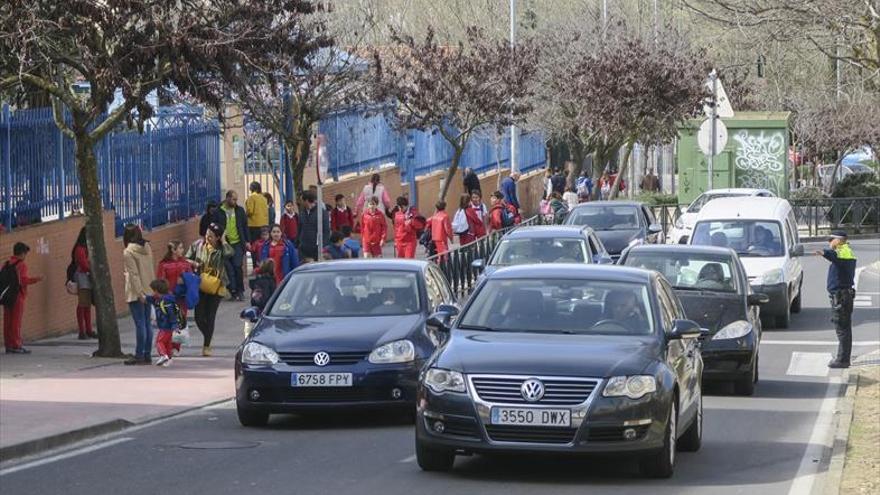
(712, 310)
(343, 333)
(758, 265)
(548, 354)
(689, 219)
(616, 241)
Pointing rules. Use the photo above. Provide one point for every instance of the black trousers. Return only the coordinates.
(841, 316)
(206, 315)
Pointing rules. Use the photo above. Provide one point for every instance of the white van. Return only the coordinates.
(684, 224)
(763, 231)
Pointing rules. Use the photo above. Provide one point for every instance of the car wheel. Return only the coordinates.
(251, 417)
(430, 459)
(662, 464)
(693, 437)
(783, 320)
(796, 304)
(746, 385)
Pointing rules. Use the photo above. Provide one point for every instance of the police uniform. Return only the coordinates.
(841, 291)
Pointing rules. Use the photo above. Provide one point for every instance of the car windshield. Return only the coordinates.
(701, 201)
(348, 293)
(573, 306)
(538, 250)
(605, 217)
(746, 237)
(691, 271)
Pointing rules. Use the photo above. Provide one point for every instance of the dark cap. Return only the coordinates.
(216, 229)
(838, 234)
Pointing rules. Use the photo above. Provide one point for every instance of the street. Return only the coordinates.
(776, 442)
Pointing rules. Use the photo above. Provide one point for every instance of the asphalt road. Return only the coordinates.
(773, 443)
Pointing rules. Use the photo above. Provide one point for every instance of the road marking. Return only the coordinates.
(818, 342)
(408, 459)
(66, 455)
(819, 445)
(808, 364)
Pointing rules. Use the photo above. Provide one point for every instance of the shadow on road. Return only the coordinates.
(330, 420)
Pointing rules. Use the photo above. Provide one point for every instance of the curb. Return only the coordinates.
(40, 445)
(834, 475)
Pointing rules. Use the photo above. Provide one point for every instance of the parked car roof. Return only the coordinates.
(613, 202)
(680, 248)
(744, 191)
(371, 264)
(573, 270)
(755, 208)
(541, 232)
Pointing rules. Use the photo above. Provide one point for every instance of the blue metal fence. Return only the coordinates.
(164, 175)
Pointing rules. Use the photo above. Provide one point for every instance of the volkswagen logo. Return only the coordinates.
(323, 359)
(532, 390)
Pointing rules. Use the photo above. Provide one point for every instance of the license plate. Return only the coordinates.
(531, 417)
(320, 379)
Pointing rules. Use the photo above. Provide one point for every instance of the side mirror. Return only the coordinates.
(797, 250)
(655, 228)
(758, 298)
(251, 314)
(685, 329)
(442, 318)
(478, 264)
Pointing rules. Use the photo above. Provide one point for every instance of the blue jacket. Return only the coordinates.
(191, 282)
(508, 189)
(289, 260)
(167, 311)
(355, 247)
(842, 271)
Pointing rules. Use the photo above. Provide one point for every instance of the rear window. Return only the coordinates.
(755, 238)
(530, 251)
(689, 271)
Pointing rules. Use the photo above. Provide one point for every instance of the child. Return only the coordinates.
(13, 293)
(337, 250)
(341, 216)
(257, 247)
(171, 269)
(441, 230)
(352, 244)
(290, 222)
(570, 197)
(167, 320)
(374, 229)
(263, 286)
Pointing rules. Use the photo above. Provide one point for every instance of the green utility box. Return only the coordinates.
(756, 155)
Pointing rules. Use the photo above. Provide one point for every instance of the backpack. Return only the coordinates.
(582, 188)
(460, 223)
(175, 312)
(506, 218)
(427, 240)
(10, 285)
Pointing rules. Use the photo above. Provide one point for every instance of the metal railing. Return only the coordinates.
(820, 216)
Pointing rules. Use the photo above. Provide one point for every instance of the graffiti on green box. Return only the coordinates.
(759, 158)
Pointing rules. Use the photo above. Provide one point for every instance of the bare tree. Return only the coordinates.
(136, 47)
(455, 90)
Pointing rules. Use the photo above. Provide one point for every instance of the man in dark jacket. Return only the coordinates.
(841, 291)
(233, 220)
(508, 189)
(208, 218)
(308, 228)
(557, 182)
(471, 181)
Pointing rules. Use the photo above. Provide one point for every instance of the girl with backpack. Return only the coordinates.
(476, 215)
(171, 268)
(82, 279)
(281, 251)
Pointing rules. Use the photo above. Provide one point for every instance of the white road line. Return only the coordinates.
(818, 342)
(858, 275)
(407, 460)
(819, 445)
(65, 455)
(862, 304)
(808, 364)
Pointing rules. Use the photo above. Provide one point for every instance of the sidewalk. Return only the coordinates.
(60, 394)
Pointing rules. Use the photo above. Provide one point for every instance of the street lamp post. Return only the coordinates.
(513, 132)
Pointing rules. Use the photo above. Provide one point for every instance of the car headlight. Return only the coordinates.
(735, 330)
(440, 380)
(634, 387)
(258, 354)
(399, 351)
(771, 277)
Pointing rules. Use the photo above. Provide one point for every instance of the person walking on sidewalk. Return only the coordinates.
(308, 228)
(208, 217)
(281, 251)
(137, 260)
(341, 215)
(209, 256)
(82, 277)
(13, 293)
(477, 217)
(508, 189)
(233, 219)
(375, 189)
(441, 230)
(471, 181)
(270, 203)
(168, 319)
(841, 291)
(408, 225)
(171, 269)
(257, 209)
(373, 229)
(290, 222)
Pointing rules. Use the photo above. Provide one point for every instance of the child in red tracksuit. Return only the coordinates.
(13, 314)
(373, 230)
(441, 230)
(167, 317)
(171, 269)
(405, 228)
(341, 215)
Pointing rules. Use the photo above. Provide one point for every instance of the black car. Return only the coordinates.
(545, 244)
(714, 290)
(619, 224)
(341, 334)
(564, 358)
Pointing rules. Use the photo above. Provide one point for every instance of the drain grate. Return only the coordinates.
(219, 445)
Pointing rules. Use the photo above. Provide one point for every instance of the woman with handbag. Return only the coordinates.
(80, 274)
(209, 259)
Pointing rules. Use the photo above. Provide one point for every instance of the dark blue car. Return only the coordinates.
(619, 224)
(341, 334)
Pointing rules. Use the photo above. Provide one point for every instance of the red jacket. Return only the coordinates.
(81, 258)
(172, 270)
(441, 227)
(23, 279)
(290, 226)
(373, 228)
(340, 218)
(404, 231)
(496, 219)
(476, 227)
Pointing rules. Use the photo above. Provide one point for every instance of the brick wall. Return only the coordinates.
(49, 309)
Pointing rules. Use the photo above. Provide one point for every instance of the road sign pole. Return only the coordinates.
(714, 118)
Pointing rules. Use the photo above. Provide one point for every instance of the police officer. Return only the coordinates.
(841, 291)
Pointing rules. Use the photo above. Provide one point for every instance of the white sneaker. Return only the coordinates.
(162, 360)
(167, 363)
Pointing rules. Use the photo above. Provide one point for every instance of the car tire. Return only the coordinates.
(693, 437)
(784, 320)
(746, 385)
(430, 459)
(251, 417)
(796, 304)
(662, 464)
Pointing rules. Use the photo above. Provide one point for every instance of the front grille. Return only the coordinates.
(530, 434)
(336, 358)
(557, 391)
(614, 433)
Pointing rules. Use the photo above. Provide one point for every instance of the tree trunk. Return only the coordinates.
(450, 173)
(576, 148)
(102, 286)
(622, 170)
(300, 141)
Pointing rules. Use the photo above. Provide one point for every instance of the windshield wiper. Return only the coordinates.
(480, 328)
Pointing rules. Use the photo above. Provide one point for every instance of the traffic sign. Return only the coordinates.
(722, 102)
(704, 137)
